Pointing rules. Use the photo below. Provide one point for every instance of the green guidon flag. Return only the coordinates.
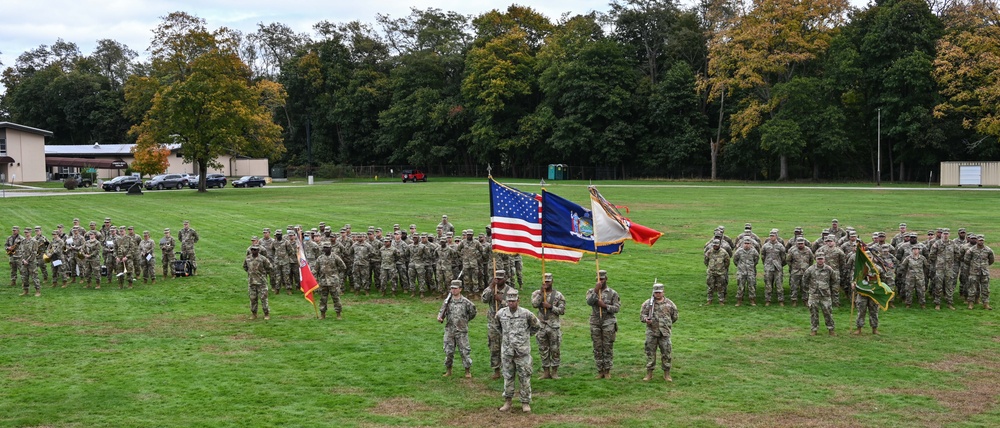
(868, 280)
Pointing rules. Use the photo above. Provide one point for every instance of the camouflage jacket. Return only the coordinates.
(445, 255)
(944, 253)
(835, 257)
(492, 305)
(257, 269)
(167, 244)
(914, 266)
(516, 329)
(469, 251)
(979, 259)
(549, 317)
(717, 262)
(360, 252)
(329, 270)
(820, 281)
(609, 297)
(457, 312)
(799, 260)
(389, 256)
(188, 238)
(146, 247)
(774, 256)
(91, 249)
(664, 315)
(27, 250)
(746, 260)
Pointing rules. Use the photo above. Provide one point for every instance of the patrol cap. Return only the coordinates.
(657, 287)
(821, 256)
(439, 227)
(798, 229)
(122, 227)
(881, 234)
(313, 230)
(981, 237)
(327, 244)
(828, 239)
(850, 228)
(774, 231)
(378, 229)
(55, 232)
(512, 295)
(747, 226)
(800, 240)
(187, 222)
(76, 220)
(716, 242)
(146, 232)
(413, 226)
(946, 230)
(60, 226)
(482, 235)
(500, 274)
(15, 228)
(371, 228)
(93, 223)
(395, 226)
(940, 229)
(548, 276)
(834, 221)
(456, 283)
(930, 232)
(385, 239)
(826, 231)
(852, 233)
(444, 216)
(278, 232)
(885, 248)
(722, 227)
(902, 225)
(131, 228)
(322, 223)
(961, 229)
(450, 235)
(347, 225)
(267, 230)
(256, 247)
(874, 234)
(107, 219)
(254, 238)
(38, 228)
(602, 273)
(917, 247)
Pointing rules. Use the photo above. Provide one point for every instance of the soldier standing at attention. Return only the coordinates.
(773, 252)
(458, 312)
(57, 252)
(257, 268)
(493, 297)
(12, 244)
(445, 226)
(124, 249)
(388, 274)
(445, 255)
(27, 256)
(979, 258)
(42, 246)
(329, 270)
(837, 260)
(551, 305)
(468, 249)
(167, 244)
(916, 266)
(604, 303)
(799, 258)
(516, 325)
(745, 259)
(267, 244)
(717, 272)
(867, 305)
(944, 252)
(146, 258)
(361, 277)
(188, 238)
(91, 260)
(659, 314)
(821, 280)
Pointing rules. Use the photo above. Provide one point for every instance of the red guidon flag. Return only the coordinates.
(307, 282)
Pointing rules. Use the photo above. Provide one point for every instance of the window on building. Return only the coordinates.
(3, 147)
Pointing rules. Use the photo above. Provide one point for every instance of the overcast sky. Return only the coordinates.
(30, 23)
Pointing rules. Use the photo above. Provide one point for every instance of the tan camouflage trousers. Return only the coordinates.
(549, 339)
(388, 277)
(774, 283)
(258, 293)
(403, 277)
(29, 275)
(422, 278)
(91, 269)
(866, 305)
(715, 284)
(797, 285)
(360, 279)
(520, 366)
(444, 278)
(915, 284)
(602, 334)
(746, 282)
(656, 341)
(283, 273)
(148, 268)
(471, 279)
(944, 284)
(43, 269)
(327, 291)
(817, 305)
(493, 341)
(59, 273)
(167, 258)
(979, 288)
(15, 267)
(460, 340)
(188, 254)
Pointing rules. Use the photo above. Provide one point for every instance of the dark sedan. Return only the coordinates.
(211, 180)
(121, 183)
(249, 181)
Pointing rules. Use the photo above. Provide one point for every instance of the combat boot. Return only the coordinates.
(794, 303)
(496, 375)
(812, 333)
(739, 302)
(24, 293)
(987, 307)
(338, 316)
(253, 316)
(607, 374)
(832, 333)
(666, 376)
(856, 332)
(508, 402)
(875, 331)
(267, 317)
(555, 372)
(600, 374)
(38, 293)
(546, 373)
(923, 306)
(708, 302)
(649, 376)
(970, 305)
(468, 373)
(447, 372)
(525, 407)
(937, 307)
(322, 316)
(753, 303)
(768, 303)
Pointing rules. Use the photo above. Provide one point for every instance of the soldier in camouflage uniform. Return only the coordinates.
(27, 256)
(821, 281)
(281, 267)
(422, 257)
(979, 258)
(445, 255)
(837, 260)
(551, 306)
(799, 258)
(961, 274)
(916, 266)
(868, 305)
(310, 247)
(124, 251)
(900, 237)
(458, 311)
(516, 325)
(944, 253)
(147, 261)
(748, 233)
(717, 263)
(773, 253)
(604, 303)
(257, 267)
(14, 242)
(746, 259)
(796, 234)
(486, 267)
(167, 244)
(401, 262)
(469, 250)
(493, 298)
(659, 314)
(74, 244)
(345, 248)
(361, 274)
(518, 266)
(42, 246)
(388, 268)
(57, 250)
(446, 226)
(329, 271)
(91, 263)
(188, 238)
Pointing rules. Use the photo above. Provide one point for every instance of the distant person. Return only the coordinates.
(979, 258)
(257, 267)
(551, 306)
(517, 325)
(458, 311)
(820, 281)
(604, 303)
(188, 238)
(659, 314)
(329, 270)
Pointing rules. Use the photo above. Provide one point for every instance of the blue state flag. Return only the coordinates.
(570, 226)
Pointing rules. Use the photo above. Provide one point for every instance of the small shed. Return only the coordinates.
(970, 174)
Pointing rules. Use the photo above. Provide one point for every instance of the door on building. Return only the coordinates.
(970, 175)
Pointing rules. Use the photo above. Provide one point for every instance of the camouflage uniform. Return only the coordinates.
(27, 255)
(282, 268)
(550, 336)
(167, 244)
(257, 269)
(74, 244)
(42, 245)
(15, 259)
(837, 260)
(746, 260)
(517, 265)
(329, 271)
(311, 249)
(457, 312)
(445, 255)
(188, 238)
(659, 317)
(388, 263)
(774, 262)
(91, 263)
(944, 253)
(147, 261)
(361, 275)
(963, 269)
(345, 248)
(400, 264)
(868, 306)
(916, 275)
(516, 327)
(717, 262)
(821, 283)
(979, 258)
(603, 326)
(493, 305)
(422, 258)
(57, 250)
(469, 250)
(124, 251)
(798, 260)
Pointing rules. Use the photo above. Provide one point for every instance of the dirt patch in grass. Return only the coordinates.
(491, 417)
(16, 373)
(400, 406)
(980, 386)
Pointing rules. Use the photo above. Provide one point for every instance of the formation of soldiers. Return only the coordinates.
(83, 255)
(823, 269)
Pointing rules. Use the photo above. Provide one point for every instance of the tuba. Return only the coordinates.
(46, 258)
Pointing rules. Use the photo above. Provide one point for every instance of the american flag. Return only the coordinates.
(516, 222)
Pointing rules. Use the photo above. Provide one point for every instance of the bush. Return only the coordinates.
(332, 170)
(70, 184)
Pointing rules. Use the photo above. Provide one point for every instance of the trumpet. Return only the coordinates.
(13, 248)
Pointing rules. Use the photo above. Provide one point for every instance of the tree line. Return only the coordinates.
(733, 89)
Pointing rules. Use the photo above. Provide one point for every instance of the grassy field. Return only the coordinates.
(184, 353)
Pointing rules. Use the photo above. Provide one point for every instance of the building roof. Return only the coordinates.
(51, 161)
(23, 128)
(96, 149)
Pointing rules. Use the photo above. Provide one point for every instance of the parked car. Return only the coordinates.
(120, 183)
(249, 181)
(166, 181)
(414, 175)
(211, 180)
(81, 181)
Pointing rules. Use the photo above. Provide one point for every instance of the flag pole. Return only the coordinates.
(597, 256)
(298, 232)
(544, 294)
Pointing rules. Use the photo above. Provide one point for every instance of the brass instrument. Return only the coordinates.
(13, 248)
(79, 255)
(46, 258)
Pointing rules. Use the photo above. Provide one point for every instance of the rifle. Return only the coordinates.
(652, 303)
(444, 308)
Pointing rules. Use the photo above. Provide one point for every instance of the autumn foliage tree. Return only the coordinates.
(150, 159)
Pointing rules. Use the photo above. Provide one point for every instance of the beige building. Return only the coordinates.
(22, 153)
(111, 160)
(970, 174)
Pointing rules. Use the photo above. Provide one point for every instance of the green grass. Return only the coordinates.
(183, 353)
